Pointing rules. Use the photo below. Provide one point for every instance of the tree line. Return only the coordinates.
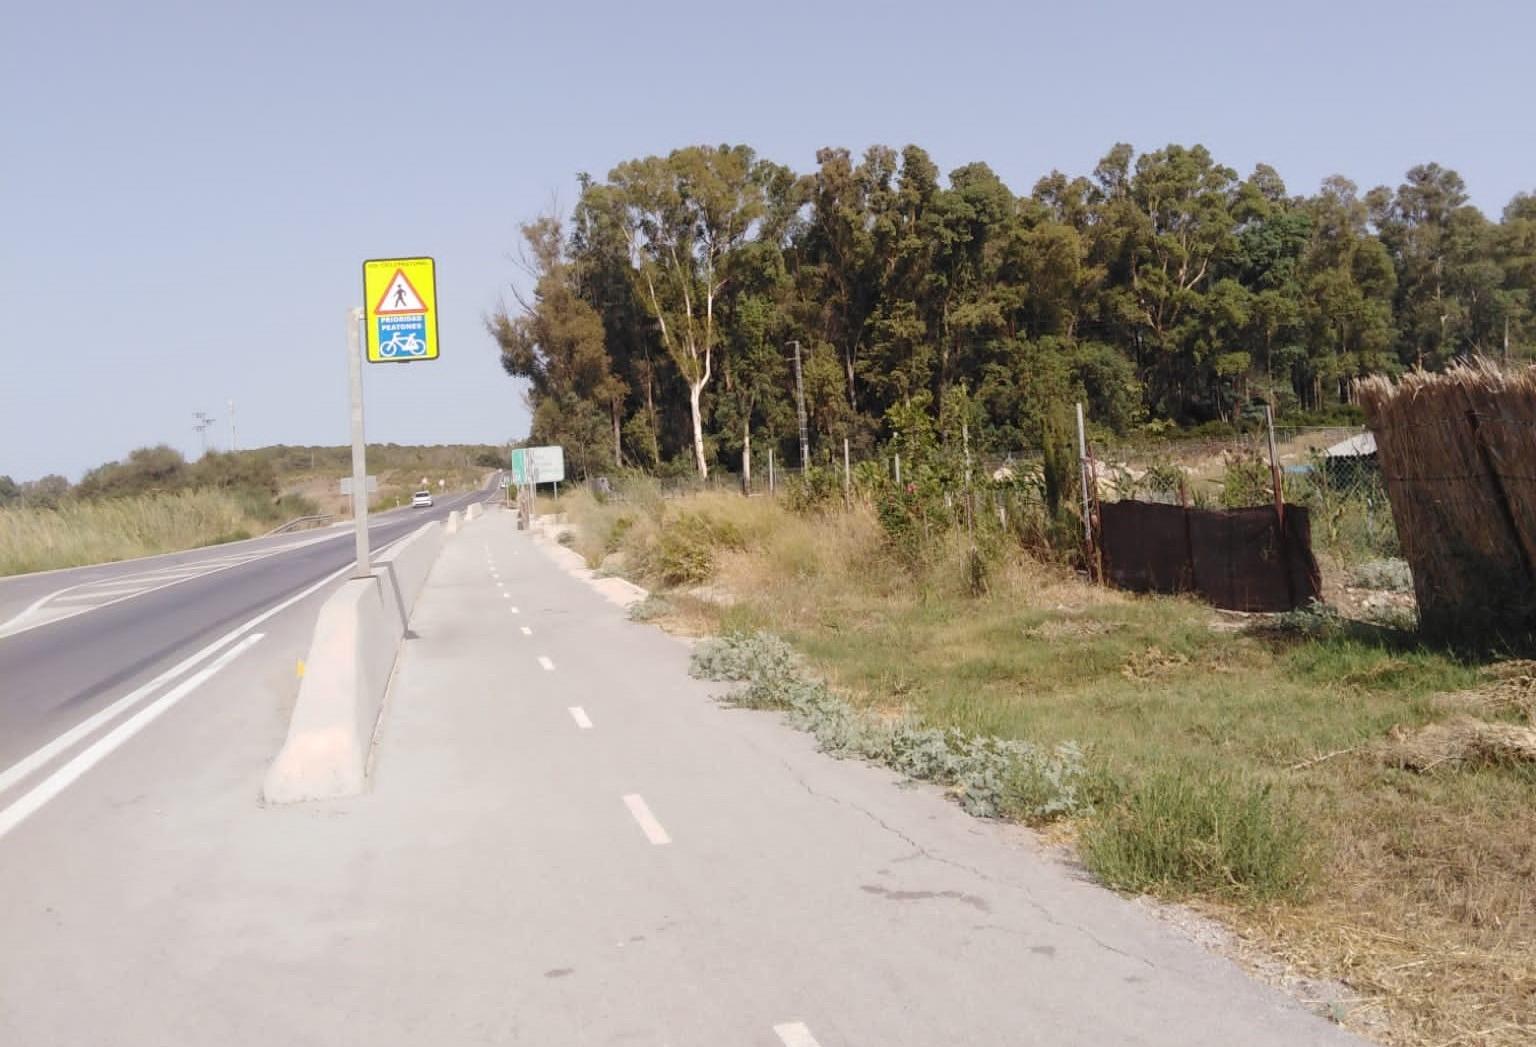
(258, 473)
(666, 309)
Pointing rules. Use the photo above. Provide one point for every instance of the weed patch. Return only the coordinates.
(992, 777)
(1183, 832)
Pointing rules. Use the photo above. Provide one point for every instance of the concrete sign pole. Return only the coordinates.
(359, 449)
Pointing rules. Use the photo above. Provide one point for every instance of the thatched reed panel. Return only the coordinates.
(1458, 456)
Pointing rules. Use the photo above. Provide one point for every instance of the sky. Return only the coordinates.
(188, 190)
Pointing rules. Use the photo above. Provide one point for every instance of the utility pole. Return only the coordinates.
(805, 439)
(359, 448)
(233, 445)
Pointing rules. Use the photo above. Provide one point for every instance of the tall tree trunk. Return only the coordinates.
(746, 455)
(695, 392)
(618, 444)
(650, 409)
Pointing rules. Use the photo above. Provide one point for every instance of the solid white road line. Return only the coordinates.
(795, 1034)
(65, 776)
(13, 626)
(548, 665)
(648, 823)
(527, 631)
(580, 716)
(28, 764)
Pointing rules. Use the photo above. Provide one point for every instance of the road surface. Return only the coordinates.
(74, 641)
(565, 841)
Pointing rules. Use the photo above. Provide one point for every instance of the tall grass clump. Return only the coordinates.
(1180, 832)
(88, 532)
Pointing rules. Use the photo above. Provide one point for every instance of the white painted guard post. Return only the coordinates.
(359, 447)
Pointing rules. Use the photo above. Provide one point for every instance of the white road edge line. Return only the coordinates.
(527, 631)
(5, 627)
(648, 823)
(548, 665)
(580, 716)
(65, 776)
(795, 1034)
(28, 764)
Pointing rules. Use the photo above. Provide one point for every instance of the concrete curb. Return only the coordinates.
(346, 676)
(546, 532)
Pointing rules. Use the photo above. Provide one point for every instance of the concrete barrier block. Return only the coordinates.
(451, 526)
(346, 677)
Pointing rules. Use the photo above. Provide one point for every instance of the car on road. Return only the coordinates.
(421, 500)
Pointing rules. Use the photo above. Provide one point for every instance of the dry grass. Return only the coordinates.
(1421, 881)
(97, 532)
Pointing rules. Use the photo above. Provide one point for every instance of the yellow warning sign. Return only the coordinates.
(401, 299)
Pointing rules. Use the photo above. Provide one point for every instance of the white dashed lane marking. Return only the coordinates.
(580, 716)
(548, 665)
(639, 810)
(795, 1034)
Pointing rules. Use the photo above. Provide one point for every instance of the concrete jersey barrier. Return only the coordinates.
(346, 677)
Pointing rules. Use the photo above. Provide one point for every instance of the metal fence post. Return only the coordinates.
(1082, 475)
(847, 478)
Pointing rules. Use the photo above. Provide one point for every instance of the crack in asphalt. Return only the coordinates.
(924, 852)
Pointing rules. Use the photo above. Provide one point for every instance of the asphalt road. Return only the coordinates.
(93, 634)
(565, 841)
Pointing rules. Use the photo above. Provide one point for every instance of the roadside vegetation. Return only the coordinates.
(1306, 778)
(154, 501)
(87, 532)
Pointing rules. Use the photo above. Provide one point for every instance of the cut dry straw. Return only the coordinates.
(1457, 456)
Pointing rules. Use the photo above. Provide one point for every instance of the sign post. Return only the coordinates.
(359, 448)
(400, 315)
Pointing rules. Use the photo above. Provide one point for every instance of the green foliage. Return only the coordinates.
(815, 490)
(689, 542)
(1161, 289)
(148, 470)
(1060, 461)
(1247, 481)
(992, 777)
(1186, 832)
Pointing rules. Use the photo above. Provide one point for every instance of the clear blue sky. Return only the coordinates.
(189, 189)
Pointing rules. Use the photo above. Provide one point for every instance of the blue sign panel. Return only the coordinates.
(402, 337)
